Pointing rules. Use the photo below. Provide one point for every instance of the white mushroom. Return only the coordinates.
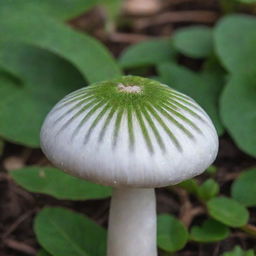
(133, 134)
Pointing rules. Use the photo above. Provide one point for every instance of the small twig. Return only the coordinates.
(216, 250)
(231, 176)
(21, 192)
(166, 4)
(127, 37)
(187, 211)
(180, 16)
(239, 234)
(17, 223)
(188, 217)
(26, 153)
(20, 246)
(249, 229)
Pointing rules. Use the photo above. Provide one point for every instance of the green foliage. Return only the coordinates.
(60, 9)
(84, 52)
(210, 231)
(195, 41)
(191, 186)
(209, 189)
(171, 234)
(232, 33)
(204, 192)
(24, 106)
(238, 251)
(63, 232)
(235, 37)
(147, 53)
(43, 180)
(228, 211)
(240, 119)
(45, 81)
(204, 88)
(211, 170)
(247, 1)
(244, 189)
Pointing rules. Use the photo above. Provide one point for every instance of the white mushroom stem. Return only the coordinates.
(132, 223)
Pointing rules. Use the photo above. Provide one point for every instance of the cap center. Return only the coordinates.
(129, 88)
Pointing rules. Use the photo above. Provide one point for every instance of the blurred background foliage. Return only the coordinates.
(49, 48)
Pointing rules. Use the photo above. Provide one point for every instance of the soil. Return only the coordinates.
(18, 207)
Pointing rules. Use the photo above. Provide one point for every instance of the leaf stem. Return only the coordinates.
(249, 229)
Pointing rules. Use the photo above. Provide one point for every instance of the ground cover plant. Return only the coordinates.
(205, 49)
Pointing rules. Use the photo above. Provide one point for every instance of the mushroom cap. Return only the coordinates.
(129, 132)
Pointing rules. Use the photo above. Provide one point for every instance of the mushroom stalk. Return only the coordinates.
(132, 223)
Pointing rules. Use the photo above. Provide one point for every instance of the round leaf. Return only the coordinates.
(83, 51)
(238, 251)
(247, 1)
(62, 232)
(191, 186)
(228, 211)
(240, 119)
(195, 42)
(147, 53)
(61, 9)
(235, 38)
(43, 180)
(171, 234)
(46, 78)
(244, 189)
(209, 189)
(210, 231)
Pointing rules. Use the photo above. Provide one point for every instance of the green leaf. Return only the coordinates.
(63, 232)
(238, 251)
(228, 211)
(43, 253)
(190, 186)
(84, 52)
(171, 234)
(243, 188)
(205, 87)
(210, 231)
(43, 180)
(235, 39)
(240, 119)
(247, 1)
(61, 9)
(23, 107)
(194, 41)
(147, 53)
(209, 189)
(212, 170)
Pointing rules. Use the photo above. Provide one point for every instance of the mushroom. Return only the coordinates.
(133, 134)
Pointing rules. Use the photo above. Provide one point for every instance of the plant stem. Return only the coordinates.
(132, 223)
(249, 229)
